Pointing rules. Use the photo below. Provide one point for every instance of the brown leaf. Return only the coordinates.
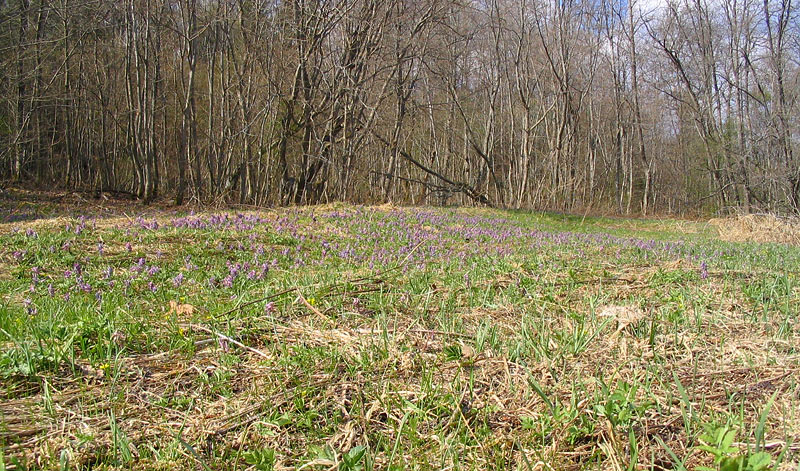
(624, 315)
(180, 309)
(467, 352)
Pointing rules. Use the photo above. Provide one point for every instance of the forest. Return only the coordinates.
(626, 107)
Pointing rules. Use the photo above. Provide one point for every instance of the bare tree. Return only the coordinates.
(527, 103)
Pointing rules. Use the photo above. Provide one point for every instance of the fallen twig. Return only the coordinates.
(229, 339)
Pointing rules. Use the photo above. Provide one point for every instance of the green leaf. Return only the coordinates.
(452, 352)
(759, 461)
(708, 448)
(323, 452)
(538, 389)
(726, 441)
(732, 464)
(679, 465)
(762, 422)
(191, 451)
(262, 460)
(352, 459)
(282, 420)
(528, 423)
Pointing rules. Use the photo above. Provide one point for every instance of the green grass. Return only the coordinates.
(344, 337)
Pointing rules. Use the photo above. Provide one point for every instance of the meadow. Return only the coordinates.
(385, 338)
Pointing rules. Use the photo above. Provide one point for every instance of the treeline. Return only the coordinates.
(678, 106)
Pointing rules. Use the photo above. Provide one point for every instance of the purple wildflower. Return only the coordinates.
(139, 266)
(228, 281)
(30, 308)
(188, 265)
(703, 270)
(83, 285)
(178, 280)
(223, 343)
(264, 270)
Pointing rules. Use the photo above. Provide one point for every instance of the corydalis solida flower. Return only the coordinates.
(178, 280)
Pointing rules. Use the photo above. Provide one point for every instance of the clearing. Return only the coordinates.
(347, 337)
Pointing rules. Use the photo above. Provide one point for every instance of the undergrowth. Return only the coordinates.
(358, 338)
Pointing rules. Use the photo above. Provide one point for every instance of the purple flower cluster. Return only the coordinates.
(251, 272)
(30, 308)
(78, 228)
(703, 270)
(238, 222)
(251, 246)
(151, 225)
(138, 266)
(178, 280)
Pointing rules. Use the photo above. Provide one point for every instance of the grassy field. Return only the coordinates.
(360, 338)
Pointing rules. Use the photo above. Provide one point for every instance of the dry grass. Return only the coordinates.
(718, 378)
(428, 368)
(758, 228)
